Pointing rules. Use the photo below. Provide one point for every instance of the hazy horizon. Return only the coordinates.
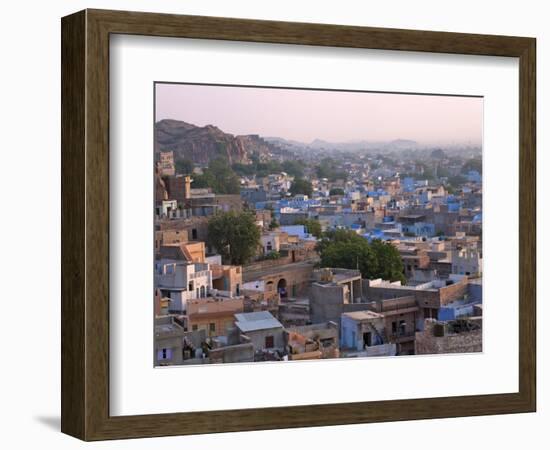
(332, 116)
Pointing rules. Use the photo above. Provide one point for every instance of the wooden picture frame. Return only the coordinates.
(85, 224)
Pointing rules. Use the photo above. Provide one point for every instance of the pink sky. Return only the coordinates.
(336, 116)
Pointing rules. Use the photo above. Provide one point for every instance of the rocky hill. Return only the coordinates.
(203, 144)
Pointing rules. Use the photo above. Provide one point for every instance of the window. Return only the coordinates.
(269, 342)
(394, 327)
(195, 327)
(164, 354)
(190, 286)
(212, 327)
(194, 234)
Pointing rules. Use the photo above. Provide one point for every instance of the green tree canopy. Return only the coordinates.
(456, 181)
(293, 168)
(346, 249)
(327, 169)
(336, 191)
(219, 176)
(301, 186)
(312, 226)
(184, 166)
(263, 169)
(234, 235)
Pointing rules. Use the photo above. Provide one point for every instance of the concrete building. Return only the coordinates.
(414, 259)
(429, 296)
(467, 261)
(166, 208)
(236, 353)
(363, 334)
(183, 251)
(214, 315)
(400, 319)
(270, 242)
(331, 290)
(195, 227)
(182, 281)
(263, 330)
(174, 345)
(227, 280)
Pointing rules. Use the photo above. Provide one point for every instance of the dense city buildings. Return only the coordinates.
(274, 250)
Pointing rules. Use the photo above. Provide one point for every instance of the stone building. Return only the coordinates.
(458, 336)
(318, 341)
(278, 281)
(179, 188)
(167, 237)
(166, 164)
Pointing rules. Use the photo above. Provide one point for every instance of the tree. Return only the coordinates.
(473, 164)
(301, 186)
(350, 255)
(312, 226)
(272, 255)
(336, 191)
(293, 168)
(388, 261)
(219, 177)
(326, 169)
(346, 249)
(456, 181)
(234, 235)
(184, 166)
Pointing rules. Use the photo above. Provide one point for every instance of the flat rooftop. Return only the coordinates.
(255, 321)
(363, 315)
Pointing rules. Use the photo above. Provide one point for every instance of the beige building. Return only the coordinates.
(214, 315)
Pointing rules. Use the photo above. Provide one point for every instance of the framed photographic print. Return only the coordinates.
(273, 225)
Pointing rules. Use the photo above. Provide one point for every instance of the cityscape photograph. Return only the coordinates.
(297, 224)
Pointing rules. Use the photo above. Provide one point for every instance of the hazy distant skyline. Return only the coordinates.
(334, 116)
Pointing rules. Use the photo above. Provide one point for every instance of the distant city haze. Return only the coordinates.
(333, 116)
